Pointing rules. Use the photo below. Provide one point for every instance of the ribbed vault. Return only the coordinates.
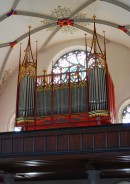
(82, 24)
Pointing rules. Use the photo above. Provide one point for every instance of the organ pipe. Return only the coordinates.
(44, 102)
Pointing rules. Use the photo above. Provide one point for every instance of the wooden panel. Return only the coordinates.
(87, 141)
(0, 145)
(83, 139)
(99, 140)
(39, 144)
(74, 142)
(62, 143)
(112, 140)
(7, 146)
(28, 144)
(125, 139)
(17, 145)
(50, 143)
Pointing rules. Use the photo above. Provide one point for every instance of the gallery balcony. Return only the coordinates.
(67, 153)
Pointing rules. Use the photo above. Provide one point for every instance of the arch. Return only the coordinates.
(64, 51)
(123, 105)
(11, 122)
(33, 14)
(72, 61)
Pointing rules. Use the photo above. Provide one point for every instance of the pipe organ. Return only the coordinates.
(71, 99)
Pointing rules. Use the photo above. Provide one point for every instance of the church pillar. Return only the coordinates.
(9, 178)
(93, 175)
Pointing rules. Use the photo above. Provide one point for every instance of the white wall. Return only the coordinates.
(8, 102)
(118, 58)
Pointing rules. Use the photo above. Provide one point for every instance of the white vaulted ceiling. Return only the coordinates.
(42, 15)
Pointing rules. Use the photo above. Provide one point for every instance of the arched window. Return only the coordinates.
(124, 112)
(76, 61)
(70, 62)
(11, 124)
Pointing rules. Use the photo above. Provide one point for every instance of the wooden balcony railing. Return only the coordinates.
(69, 141)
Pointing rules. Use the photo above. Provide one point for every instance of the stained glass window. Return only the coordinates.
(126, 114)
(71, 62)
(75, 61)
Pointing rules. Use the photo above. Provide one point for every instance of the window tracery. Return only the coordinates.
(126, 114)
(74, 61)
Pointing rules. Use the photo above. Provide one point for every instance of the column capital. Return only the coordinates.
(8, 178)
(93, 175)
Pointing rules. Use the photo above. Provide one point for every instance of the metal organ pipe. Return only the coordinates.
(65, 103)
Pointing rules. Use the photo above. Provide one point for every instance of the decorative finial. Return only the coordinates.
(52, 67)
(44, 71)
(94, 16)
(29, 27)
(85, 39)
(36, 49)
(20, 54)
(104, 32)
(36, 44)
